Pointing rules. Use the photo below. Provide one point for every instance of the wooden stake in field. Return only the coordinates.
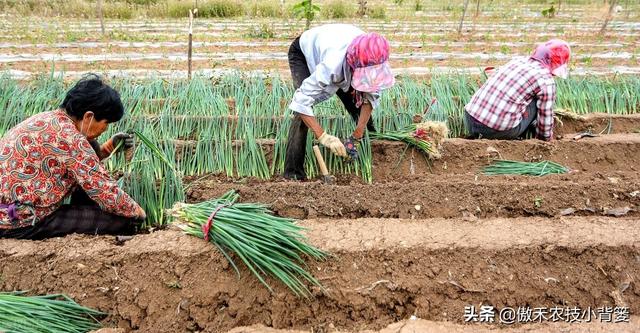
(559, 5)
(612, 6)
(190, 50)
(100, 16)
(464, 12)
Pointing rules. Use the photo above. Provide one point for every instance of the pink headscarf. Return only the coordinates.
(368, 57)
(554, 55)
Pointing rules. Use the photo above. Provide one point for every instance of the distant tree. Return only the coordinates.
(362, 8)
(307, 10)
(549, 12)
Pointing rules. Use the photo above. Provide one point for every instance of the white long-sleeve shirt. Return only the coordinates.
(325, 49)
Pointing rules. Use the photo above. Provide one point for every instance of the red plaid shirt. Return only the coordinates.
(42, 160)
(502, 101)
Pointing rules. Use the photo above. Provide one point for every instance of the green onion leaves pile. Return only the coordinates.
(268, 245)
(44, 314)
(507, 167)
(426, 136)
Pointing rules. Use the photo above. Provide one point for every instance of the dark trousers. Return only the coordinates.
(478, 130)
(297, 140)
(82, 216)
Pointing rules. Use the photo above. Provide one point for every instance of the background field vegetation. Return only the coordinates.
(331, 9)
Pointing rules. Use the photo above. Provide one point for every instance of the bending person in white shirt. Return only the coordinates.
(335, 59)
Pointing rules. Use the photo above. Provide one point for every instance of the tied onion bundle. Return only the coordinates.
(43, 314)
(425, 136)
(507, 167)
(267, 244)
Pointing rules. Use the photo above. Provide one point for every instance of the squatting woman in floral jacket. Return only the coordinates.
(53, 155)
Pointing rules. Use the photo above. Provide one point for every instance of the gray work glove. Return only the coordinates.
(127, 140)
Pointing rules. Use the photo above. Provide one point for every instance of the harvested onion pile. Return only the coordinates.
(426, 136)
(51, 313)
(267, 244)
(507, 167)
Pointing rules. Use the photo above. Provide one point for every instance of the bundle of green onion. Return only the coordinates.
(507, 167)
(267, 244)
(43, 314)
(424, 136)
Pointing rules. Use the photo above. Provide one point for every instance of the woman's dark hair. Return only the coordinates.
(91, 94)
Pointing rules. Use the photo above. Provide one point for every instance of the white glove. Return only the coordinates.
(334, 144)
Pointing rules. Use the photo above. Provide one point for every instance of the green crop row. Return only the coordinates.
(224, 119)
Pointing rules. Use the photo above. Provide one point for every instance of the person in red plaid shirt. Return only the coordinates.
(54, 155)
(520, 96)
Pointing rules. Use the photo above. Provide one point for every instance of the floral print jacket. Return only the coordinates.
(42, 161)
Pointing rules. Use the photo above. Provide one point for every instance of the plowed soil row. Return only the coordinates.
(604, 181)
(441, 196)
(383, 271)
(616, 152)
(600, 122)
(420, 325)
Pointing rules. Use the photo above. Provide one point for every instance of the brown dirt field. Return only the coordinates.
(279, 65)
(260, 47)
(616, 152)
(442, 37)
(384, 271)
(605, 182)
(426, 239)
(440, 196)
(608, 153)
(421, 325)
(600, 122)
